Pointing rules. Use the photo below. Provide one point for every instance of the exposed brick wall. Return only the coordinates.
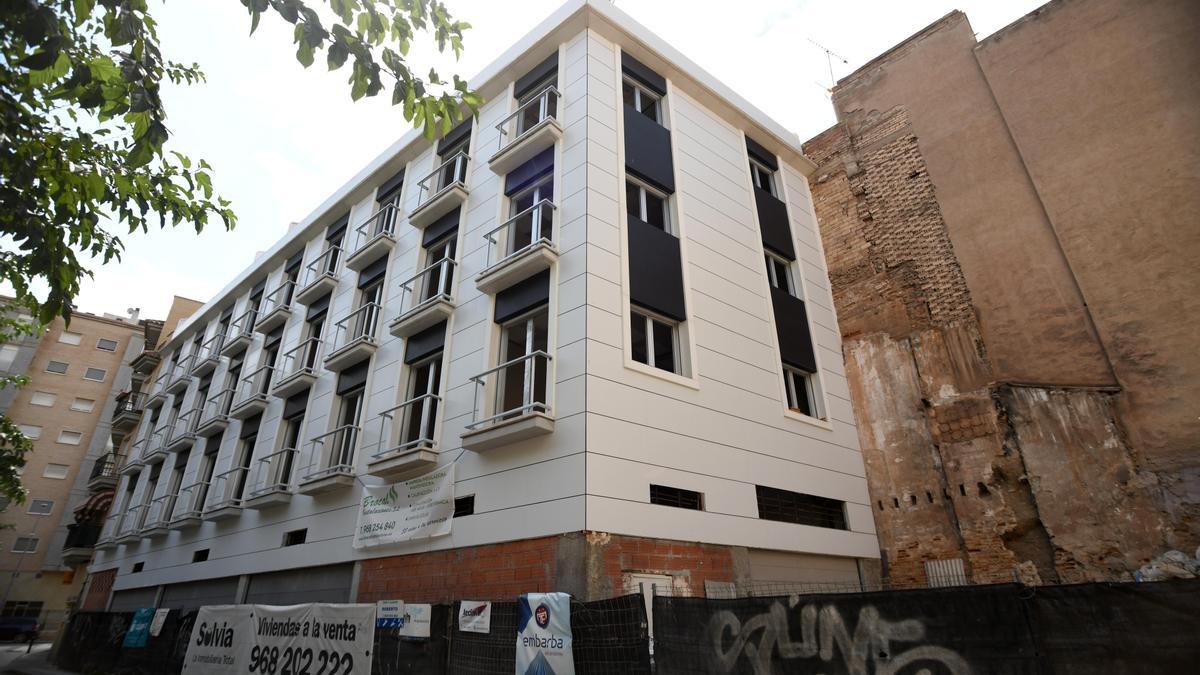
(689, 564)
(99, 588)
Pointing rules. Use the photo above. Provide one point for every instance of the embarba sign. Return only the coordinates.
(269, 640)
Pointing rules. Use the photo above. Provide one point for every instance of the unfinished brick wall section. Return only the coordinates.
(100, 586)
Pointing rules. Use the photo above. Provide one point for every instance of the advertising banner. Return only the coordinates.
(474, 616)
(312, 638)
(139, 628)
(544, 634)
(160, 617)
(416, 620)
(389, 613)
(413, 509)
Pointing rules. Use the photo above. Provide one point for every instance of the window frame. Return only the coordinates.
(90, 408)
(639, 91)
(37, 433)
(66, 367)
(643, 208)
(676, 346)
(49, 476)
(812, 389)
(48, 511)
(36, 541)
(69, 431)
(74, 341)
(772, 259)
(116, 344)
(33, 399)
(757, 168)
(89, 369)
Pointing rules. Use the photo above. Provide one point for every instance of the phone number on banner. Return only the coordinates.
(300, 661)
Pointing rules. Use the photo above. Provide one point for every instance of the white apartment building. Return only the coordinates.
(604, 300)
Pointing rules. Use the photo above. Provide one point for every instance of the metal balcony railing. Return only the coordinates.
(324, 265)
(210, 350)
(129, 403)
(449, 173)
(301, 359)
(190, 502)
(280, 298)
(513, 388)
(106, 466)
(429, 285)
(160, 382)
(332, 453)
(229, 489)
(544, 106)
(132, 522)
(407, 426)
(141, 449)
(184, 427)
(381, 223)
(533, 226)
(217, 406)
(242, 327)
(82, 535)
(159, 512)
(181, 370)
(274, 472)
(357, 326)
(256, 385)
(112, 525)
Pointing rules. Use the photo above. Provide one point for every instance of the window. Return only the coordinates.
(439, 279)
(32, 432)
(70, 437)
(8, 354)
(647, 205)
(95, 374)
(542, 109)
(763, 177)
(4, 502)
(522, 385)
(41, 507)
(200, 556)
(351, 412)
(421, 417)
(295, 537)
(42, 398)
(793, 507)
(642, 100)
(58, 471)
(106, 345)
(464, 506)
(678, 497)
(69, 338)
(57, 367)
(83, 405)
(803, 392)
(138, 567)
(655, 341)
(779, 273)
(25, 609)
(25, 545)
(531, 223)
(454, 164)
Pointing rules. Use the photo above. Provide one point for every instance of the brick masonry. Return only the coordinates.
(99, 588)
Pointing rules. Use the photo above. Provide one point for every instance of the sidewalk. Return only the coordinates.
(34, 663)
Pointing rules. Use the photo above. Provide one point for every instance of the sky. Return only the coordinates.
(281, 138)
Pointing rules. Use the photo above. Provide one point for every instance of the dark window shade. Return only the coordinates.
(523, 176)
(680, 498)
(373, 272)
(655, 270)
(648, 151)
(456, 135)
(761, 154)
(390, 187)
(318, 308)
(227, 314)
(273, 338)
(338, 228)
(541, 71)
(205, 383)
(441, 227)
(212, 445)
(353, 377)
(250, 427)
(295, 405)
(643, 74)
(791, 327)
(794, 507)
(426, 343)
(522, 297)
(293, 263)
(258, 288)
(155, 471)
(773, 224)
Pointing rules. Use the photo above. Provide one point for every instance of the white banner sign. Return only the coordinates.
(412, 509)
(544, 634)
(266, 640)
(475, 616)
(160, 617)
(416, 620)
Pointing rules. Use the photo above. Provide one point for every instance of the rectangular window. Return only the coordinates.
(420, 416)
(58, 471)
(8, 354)
(793, 507)
(438, 282)
(647, 205)
(763, 176)
(42, 398)
(69, 338)
(464, 506)
(95, 374)
(31, 431)
(295, 537)
(200, 556)
(532, 113)
(678, 497)
(23, 609)
(106, 345)
(41, 507)
(642, 100)
(803, 392)
(522, 385)
(655, 341)
(70, 437)
(779, 273)
(138, 567)
(532, 221)
(57, 367)
(25, 545)
(85, 405)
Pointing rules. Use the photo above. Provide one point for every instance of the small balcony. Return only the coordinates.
(426, 299)
(181, 375)
(532, 129)
(136, 460)
(298, 368)
(516, 393)
(189, 506)
(273, 480)
(108, 533)
(375, 238)
(130, 529)
(252, 394)
(209, 356)
(158, 390)
(183, 431)
(241, 334)
(158, 517)
(441, 191)
(80, 543)
(407, 445)
(154, 446)
(354, 338)
(146, 362)
(520, 248)
(277, 307)
(228, 490)
(104, 472)
(215, 415)
(128, 411)
(330, 461)
(320, 276)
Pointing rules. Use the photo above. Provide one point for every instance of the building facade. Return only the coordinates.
(1011, 245)
(74, 375)
(603, 301)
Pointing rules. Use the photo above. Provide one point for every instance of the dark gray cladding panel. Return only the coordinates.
(259, 287)
(426, 343)
(773, 223)
(791, 325)
(389, 186)
(524, 175)
(293, 263)
(250, 427)
(310, 584)
(642, 73)
(274, 337)
(295, 405)
(655, 270)
(761, 154)
(318, 308)
(196, 594)
(456, 134)
(540, 72)
(441, 227)
(227, 314)
(337, 228)
(353, 377)
(648, 151)
(373, 272)
(133, 599)
(522, 297)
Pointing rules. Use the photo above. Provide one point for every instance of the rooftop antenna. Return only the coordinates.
(830, 55)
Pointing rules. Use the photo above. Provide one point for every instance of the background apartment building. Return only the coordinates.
(74, 375)
(603, 301)
(1011, 232)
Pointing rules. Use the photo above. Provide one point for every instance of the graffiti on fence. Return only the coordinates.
(824, 634)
